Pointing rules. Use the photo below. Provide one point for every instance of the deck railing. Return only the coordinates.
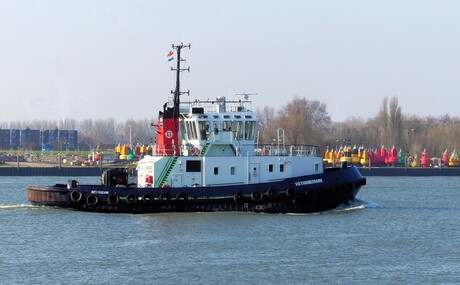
(289, 150)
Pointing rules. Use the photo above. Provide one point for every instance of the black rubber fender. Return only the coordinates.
(238, 197)
(131, 198)
(311, 194)
(164, 197)
(75, 196)
(113, 199)
(92, 200)
(181, 197)
(337, 189)
(290, 192)
(256, 196)
(147, 198)
(271, 193)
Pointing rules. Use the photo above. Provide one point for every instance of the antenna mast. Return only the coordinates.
(178, 70)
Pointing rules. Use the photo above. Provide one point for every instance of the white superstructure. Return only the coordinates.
(218, 147)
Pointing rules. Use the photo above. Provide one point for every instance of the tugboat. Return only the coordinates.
(206, 159)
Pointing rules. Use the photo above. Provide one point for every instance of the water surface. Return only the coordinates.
(402, 230)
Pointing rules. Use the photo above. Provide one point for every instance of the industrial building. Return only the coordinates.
(28, 139)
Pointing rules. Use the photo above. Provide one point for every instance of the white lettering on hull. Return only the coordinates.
(309, 182)
(99, 192)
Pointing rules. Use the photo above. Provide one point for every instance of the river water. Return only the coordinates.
(401, 230)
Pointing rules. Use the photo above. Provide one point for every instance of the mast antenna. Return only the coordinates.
(178, 70)
(245, 95)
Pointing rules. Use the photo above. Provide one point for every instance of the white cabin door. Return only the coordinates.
(254, 175)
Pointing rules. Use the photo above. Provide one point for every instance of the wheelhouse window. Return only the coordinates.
(270, 168)
(249, 130)
(281, 167)
(190, 127)
(216, 170)
(204, 130)
(226, 126)
(232, 170)
(237, 128)
(183, 130)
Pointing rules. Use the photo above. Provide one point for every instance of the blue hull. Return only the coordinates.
(305, 194)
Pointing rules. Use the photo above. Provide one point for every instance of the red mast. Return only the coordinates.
(168, 119)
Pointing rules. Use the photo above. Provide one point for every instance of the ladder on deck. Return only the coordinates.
(167, 171)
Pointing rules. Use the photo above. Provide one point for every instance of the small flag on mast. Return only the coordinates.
(170, 56)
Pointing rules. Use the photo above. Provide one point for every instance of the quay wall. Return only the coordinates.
(51, 171)
(410, 171)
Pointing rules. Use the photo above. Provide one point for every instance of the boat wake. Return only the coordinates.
(16, 206)
(356, 205)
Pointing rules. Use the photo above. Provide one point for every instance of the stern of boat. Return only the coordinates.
(48, 196)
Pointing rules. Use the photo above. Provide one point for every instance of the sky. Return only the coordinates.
(98, 59)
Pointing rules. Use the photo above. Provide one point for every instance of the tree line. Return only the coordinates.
(301, 120)
(307, 122)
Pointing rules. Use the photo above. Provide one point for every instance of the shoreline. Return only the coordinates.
(46, 169)
(51, 171)
(409, 171)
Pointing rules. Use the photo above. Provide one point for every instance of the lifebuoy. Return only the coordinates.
(76, 196)
(290, 192)
(271, 193)
(131, 199)
(181, 197)
(238, 197)
(165, 186)
(92, 200)
(195, 151)
(147, 198)
(113, 199)
(256, 196)
(164, 197)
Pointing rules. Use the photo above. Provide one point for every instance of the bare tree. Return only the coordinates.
(303, 121)
(383, 121)
(266, 117)
(395, 123)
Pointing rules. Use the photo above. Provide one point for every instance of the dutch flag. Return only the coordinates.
(170, 56)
